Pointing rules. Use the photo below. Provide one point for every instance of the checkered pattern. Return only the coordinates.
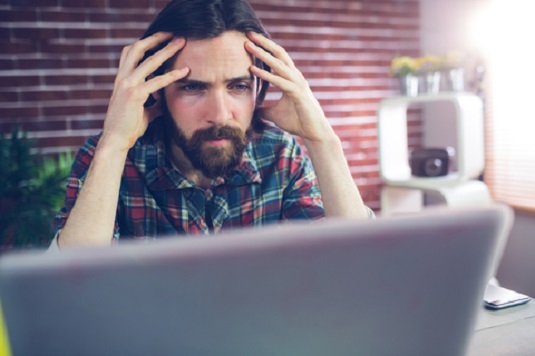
(274, 182)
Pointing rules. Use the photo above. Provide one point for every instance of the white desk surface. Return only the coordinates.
(508, 332)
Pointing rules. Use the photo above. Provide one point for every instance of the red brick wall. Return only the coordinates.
(58, 60)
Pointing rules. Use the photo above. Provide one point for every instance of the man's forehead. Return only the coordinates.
(225, 53)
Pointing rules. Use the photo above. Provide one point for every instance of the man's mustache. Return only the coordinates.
(215, 133)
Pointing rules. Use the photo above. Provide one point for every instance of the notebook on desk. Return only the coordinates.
(391, 286)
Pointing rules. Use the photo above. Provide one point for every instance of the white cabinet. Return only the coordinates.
(403, 192)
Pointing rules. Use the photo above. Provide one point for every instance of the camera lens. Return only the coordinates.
(433, 167)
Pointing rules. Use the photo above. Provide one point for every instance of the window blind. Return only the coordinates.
(510, 113)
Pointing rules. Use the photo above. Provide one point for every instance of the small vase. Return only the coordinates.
(409, 85)
(455, 79)
(432, 82)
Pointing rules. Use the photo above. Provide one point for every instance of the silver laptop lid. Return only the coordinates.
(405, 286)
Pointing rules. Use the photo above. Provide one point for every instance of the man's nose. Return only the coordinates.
(220, 110)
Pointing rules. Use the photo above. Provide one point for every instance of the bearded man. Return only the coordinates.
(187, 145)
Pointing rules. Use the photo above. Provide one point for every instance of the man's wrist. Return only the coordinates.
(329, 141)
(112, 145)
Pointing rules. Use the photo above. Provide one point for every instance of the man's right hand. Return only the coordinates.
(127, 119)
(91, 220)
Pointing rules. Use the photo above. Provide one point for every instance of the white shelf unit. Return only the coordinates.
(403, 192)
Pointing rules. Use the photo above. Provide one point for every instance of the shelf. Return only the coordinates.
(397, 199)
(428, 182)
(393, 142)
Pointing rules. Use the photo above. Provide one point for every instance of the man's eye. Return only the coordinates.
(191, 87)
(242, 87)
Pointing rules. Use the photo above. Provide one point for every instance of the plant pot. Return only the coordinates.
(455, 79)
(409, 85)
(432, 82)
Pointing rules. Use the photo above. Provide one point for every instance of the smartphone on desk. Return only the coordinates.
(496, 297)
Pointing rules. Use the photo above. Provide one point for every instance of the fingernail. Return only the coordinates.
(177, 40)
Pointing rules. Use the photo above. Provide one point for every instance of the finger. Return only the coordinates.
(276, 50)
(138, 49)
(277, 65)
(161, 81)
(120, 71)
(153, 62)
(124, 53)
(278, 81)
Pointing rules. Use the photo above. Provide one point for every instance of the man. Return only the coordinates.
(185, 147)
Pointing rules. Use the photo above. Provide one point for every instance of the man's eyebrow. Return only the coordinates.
(230, 80)
(190, 81)
(241, 78)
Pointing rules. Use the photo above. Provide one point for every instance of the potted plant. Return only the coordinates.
(454, 70)
(32, 189)
(406, 68)
(430, 68)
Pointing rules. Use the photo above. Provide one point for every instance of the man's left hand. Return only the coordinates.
(297, 111)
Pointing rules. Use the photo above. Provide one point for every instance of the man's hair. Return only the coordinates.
(205, 19)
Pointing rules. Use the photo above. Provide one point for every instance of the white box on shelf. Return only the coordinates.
(393, 143)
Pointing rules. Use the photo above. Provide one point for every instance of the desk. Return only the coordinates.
(505, 332)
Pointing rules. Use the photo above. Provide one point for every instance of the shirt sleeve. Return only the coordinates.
(303, 195)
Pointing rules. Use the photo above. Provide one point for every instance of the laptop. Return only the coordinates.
(409, 285)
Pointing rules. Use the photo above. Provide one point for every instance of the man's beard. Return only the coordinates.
(212, 161)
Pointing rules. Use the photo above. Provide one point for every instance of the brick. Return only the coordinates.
(126, 33)
(40, 126)
(68, 141)
(39, 63)
(35, 33)
(18, 15)
(159, 4)
(7, 127)
(83, 33)
(33, 3)
(109, 48)
(88, 4)
(121, 17)
(9, 96)
(87, 124)
(6, 64)
(65, 110)
(63, 16)
(14, 113)
(138, 4)
(66, 79)
(103, 79)
(18, 81)
(65, 48)
(87, 63)
(44, 95)
(98, 109)
(90, 94)
(5, 32)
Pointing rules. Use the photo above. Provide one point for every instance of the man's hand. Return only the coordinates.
(127, 119)
(297, 111)
(91, 220)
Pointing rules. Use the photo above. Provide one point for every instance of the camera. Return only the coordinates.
(430, 162)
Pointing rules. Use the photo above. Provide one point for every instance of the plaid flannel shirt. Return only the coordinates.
(273, 182)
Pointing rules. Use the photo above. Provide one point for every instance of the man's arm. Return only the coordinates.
(299, 113)
(91, 220)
